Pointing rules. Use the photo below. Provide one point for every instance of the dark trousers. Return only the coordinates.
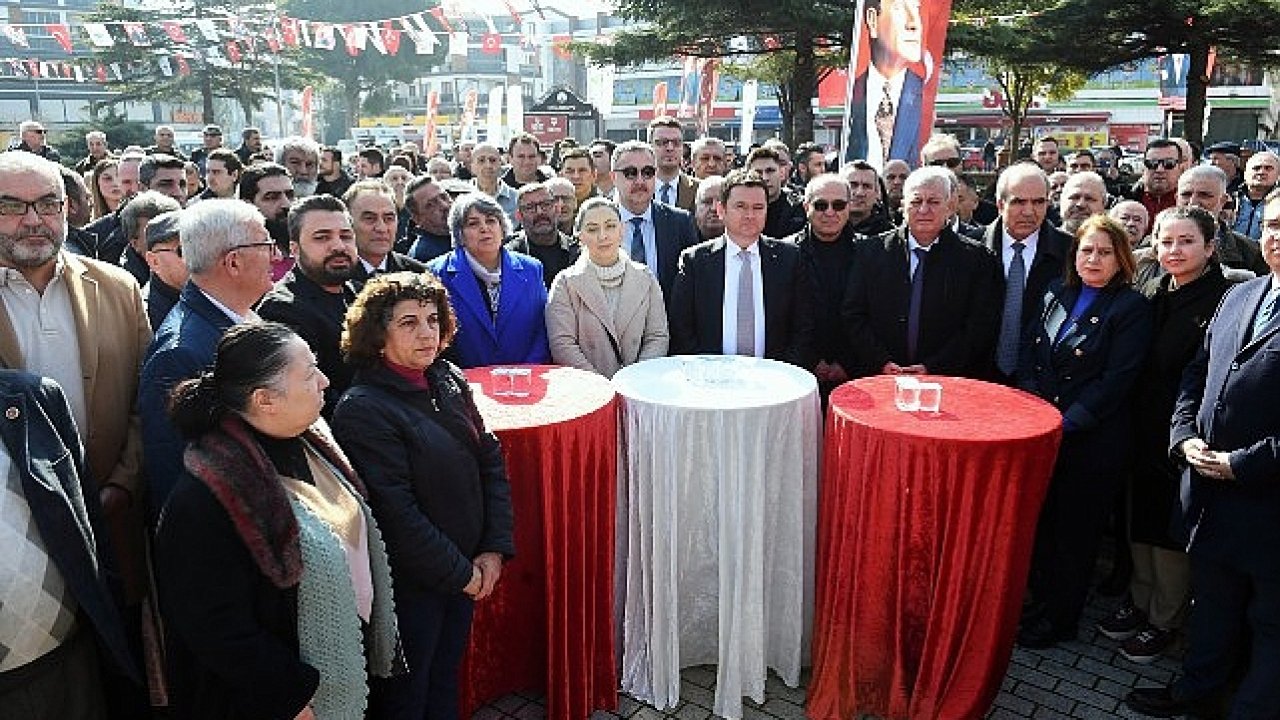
(1229, 602)
(65, 684)
(1068, 535)
(433, 629)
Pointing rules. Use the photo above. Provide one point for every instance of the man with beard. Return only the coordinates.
(654, 233)
(540, 236)
(312, 298)
(250, 143)
(268, 187)
(786, 215)
(211, 138)
(333, 179)
(428, 205)
(301, 157)
(705, 216)
(1084, 196)
(374, 219)
(81, 323)
(164, 174)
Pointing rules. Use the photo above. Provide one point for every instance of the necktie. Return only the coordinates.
(913, 310)
(1011, 321)
(637, 240)
(884, 121)
(746, 337)
(1266, 313)
(665, 194)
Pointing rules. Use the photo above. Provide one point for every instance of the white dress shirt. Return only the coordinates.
(47, 336)
(729, 308)
(875, 92)
(647, 230)
(1028, 253)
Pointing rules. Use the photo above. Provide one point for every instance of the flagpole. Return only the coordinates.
(275, 64)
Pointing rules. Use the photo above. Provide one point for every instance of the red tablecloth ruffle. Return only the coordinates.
(926, 525)
(549, 625)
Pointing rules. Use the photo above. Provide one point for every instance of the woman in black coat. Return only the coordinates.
(1183, 301)
(272, 576)
(437, 482)
(1084, 354)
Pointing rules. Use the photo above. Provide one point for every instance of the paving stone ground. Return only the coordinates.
(1082, 680)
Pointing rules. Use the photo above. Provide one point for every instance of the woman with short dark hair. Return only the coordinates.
(273, 579)
(437, 482)
(1084, 355)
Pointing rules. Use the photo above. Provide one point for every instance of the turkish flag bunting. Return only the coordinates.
(62, 33)
(491, 44)
(289, 31)
(174, 31)
(233, 51)
(390, 38)
(437, 12)
(183, 68)
(100, 73)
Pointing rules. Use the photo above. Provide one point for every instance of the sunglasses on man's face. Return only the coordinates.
(952, 163)
(824, 205)
(630, 173)
(1167, 164)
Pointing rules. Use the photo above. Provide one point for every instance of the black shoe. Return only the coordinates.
(1042, 633)
(1162, 703)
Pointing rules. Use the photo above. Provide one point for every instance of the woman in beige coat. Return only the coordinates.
(605, 311)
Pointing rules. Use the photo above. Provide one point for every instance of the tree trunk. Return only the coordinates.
(1197, 93)
(351, 96)
(786, 110)
(804, 87)
(206, 92)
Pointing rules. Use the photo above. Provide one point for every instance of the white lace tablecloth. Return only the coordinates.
(716, 517)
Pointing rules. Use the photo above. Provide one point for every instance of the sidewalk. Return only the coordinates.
(1083, 680)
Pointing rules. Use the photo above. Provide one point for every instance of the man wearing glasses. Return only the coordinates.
(81, 323)
(228, 253)
(539, 214)
(673, 186)
(943, 150)
(653, 233)
(1162, 166)
(32, 140)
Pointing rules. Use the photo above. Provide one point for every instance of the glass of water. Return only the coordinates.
(930, 397)
(521, 381)
(503, 382)
(906, 395)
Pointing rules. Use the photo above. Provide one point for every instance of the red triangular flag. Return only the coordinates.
(183, 68)
(390, 37)
(349, 37)
(100, 73)
(137, 34)
(437, 12)
(233, 51)
(289, 31)
(491, 44)
(174, 31)
(62, 33)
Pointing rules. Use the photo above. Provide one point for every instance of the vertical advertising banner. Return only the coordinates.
(893, 79)
(430, 143)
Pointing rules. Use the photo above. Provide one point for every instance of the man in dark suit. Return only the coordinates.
(229, 252)
(744, 293)
(652, 233)
(53, 568)
(1225, 427)
(1022, 198)
(374, 217)
(673, 186)
(885, 105)
(922, 299)
(312, 298)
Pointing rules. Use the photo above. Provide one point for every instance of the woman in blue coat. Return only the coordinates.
(1084, 355)
(498, 295)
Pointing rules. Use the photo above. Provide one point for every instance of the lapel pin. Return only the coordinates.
(12, 413)
(1094, 319)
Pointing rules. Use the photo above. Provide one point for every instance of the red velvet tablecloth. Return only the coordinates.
(925, 529)
(549, 625)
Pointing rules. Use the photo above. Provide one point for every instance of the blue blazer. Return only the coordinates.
(673, 231)
(1228, 399)
(519, 332)
(44, 447)
(906, 125)
(184, 345)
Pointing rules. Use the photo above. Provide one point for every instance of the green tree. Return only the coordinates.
(806, 36)
(121, 132)
(1090, 36)
(212, 73)
(370, 70)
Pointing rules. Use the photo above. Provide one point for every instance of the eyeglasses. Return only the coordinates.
(176, 250)
(264, 244)
(822, 205)
(630, 173)
(544, 206)
(38, 131)
(1167, 164)
(43, 206)
(952, 163)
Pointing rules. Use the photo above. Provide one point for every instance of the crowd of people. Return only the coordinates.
(246, 476)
